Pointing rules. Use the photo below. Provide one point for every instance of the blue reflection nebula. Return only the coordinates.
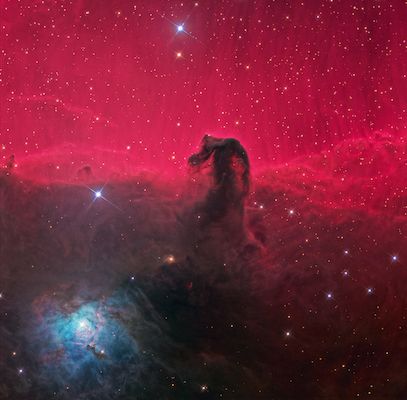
(90, 332)
(85, 346)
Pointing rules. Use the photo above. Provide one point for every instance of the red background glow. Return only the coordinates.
(286, 78)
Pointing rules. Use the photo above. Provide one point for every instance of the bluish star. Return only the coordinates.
(98, 194)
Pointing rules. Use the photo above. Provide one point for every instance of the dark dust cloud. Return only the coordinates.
(145, 293)
(203, 199)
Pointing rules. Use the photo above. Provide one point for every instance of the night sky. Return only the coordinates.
(287, 78)
(131, 270)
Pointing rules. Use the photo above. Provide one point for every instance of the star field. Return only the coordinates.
(150, 78)
(269, 265)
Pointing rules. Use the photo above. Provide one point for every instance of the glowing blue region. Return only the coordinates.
(88, 348)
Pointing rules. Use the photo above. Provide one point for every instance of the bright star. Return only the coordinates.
(179, 27)
(98, 194)
(170, 259)
(394, 258)
(82, 324)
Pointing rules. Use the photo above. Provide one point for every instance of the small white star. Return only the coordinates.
(180, 28)
(369, 290)
(98, 194)
(329, 296)
(394, 258)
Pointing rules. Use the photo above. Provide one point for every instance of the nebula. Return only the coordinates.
(130, 294)
(231, 173)
(203, 200)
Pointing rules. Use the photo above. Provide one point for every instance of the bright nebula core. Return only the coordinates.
(203, 200)
(87, 348)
